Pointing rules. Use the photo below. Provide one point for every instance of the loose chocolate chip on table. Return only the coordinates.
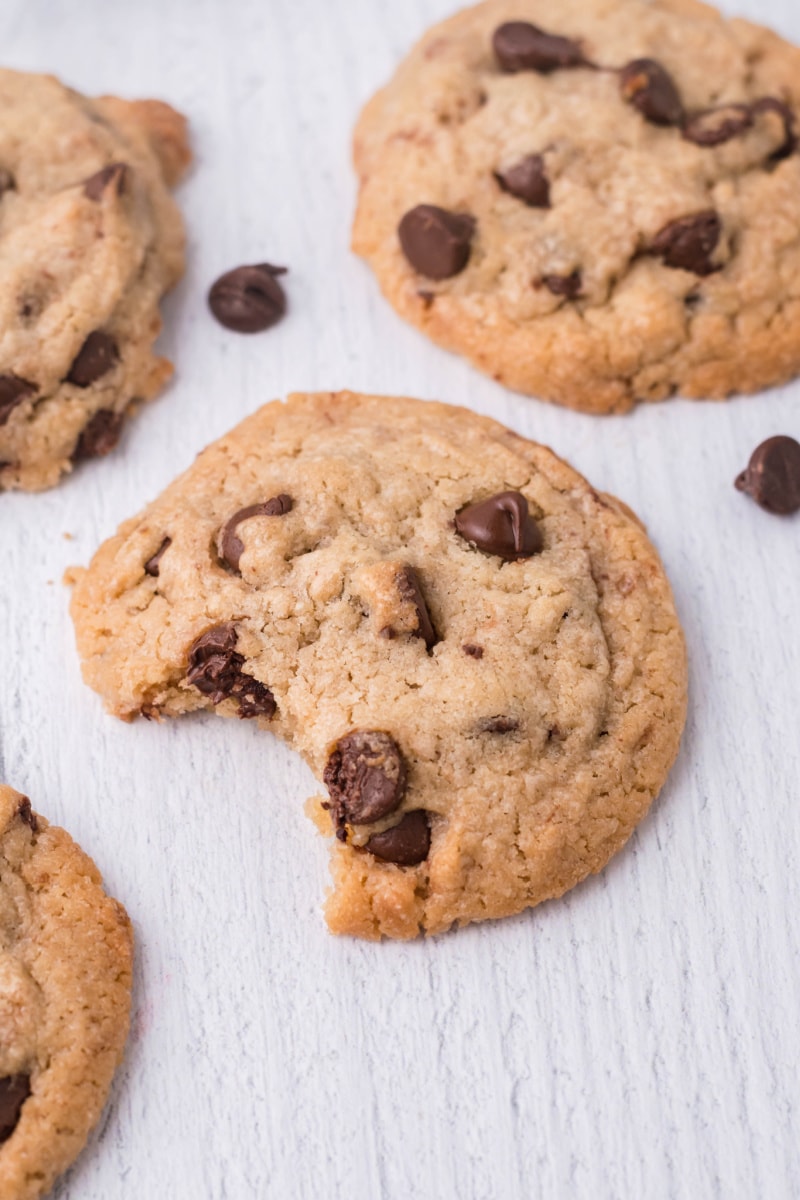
(568, 286)
(650, 88)
(713, 126)
(152, 566)
(111, 176)
(407, 843)
(472, 651)
(248, 299)
(772, 476)
(231, 546)
(14, 1091)
(366, 778)
(100, 435)
(96, 357)
(13, 391)
(7, 183)
(527, 180)
(499, 725)
(501, 525)
(770, 104)
(436, 242)
(688, 243)
(411, 590)
(520, 46)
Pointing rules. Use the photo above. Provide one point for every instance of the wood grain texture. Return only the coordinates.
(639, 1038)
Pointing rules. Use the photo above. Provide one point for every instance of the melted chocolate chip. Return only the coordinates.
(26, 814)
(520, 46)
(527, 180)
(713, 126)
(152, 566)
(501, 525)
(7, 181)
(13, 391)
(436, 242)
(568, 286)
(112, 176)
(248, 299)
(410, 590)
(688, 243)
(770, 104)
(96, 357)
(650, 88)
(230, 544)
(14, 1091)
(215, 669)
(100, 435)
(366, 778)
(472, 651)
(499, 725)
(255, 698)
(407, 843)
(772, 476)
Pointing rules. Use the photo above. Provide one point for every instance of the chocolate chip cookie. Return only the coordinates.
(65, 994)
(476, 652)
(597, 202)
(90, 239)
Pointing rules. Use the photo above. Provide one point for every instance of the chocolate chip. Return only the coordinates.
(499, 725)
(152, 566)
(527, 180)
(772, 477)
(215, 669)
(472, 650)
(713, 126)
(436, 242)
(568, 286)
(214, 664)
(501, 525)
(26, 814)
(114, 175)
(13, 391)
(651, 89)
(96, 357)
(248, 299)
(407, 843)
(14, 1091)
(688, 243)
(231, 546)
(366, 778)
(520, 46)
(771, 104)
(100, 435)
(7, 182)
(410, 590)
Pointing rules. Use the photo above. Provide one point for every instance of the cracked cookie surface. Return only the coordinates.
(572, 160)
(476, 653)
(90, 239)
(65, 992)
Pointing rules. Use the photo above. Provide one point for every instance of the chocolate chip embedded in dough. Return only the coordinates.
(96, 357)
(713, 126)
(407, 843)
(230, 544)
(688, 243)
(14, 1091)
(501, 525)
(521, 46)
(214, 663)
(26, 814)
(499, 724)
(772, 477)
(248, 299)
(13, 391)
(410, 589)
(366, 778)
(472, 651)
(436, 242)
(650, 88)
(7, 182)
(527, 181)
(568, 286)
(100, 435)
(113, 176)
(151, 567)
(771, 104)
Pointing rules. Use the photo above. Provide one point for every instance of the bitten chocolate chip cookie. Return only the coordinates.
(90, 240)
(65, 994)
(474, 651)
(596, 201)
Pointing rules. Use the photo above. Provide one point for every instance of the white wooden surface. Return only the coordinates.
(640, 1038)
